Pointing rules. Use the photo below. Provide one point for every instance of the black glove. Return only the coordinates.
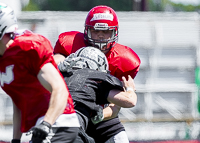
(40, 132)
(15, 141)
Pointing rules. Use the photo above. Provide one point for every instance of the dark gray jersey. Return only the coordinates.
(89, 88)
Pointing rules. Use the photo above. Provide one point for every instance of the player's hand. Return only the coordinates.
(99, 116)
(128, 84)
(40, 132)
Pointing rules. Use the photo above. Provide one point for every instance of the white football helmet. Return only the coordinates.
(91, 58)
(8, 20)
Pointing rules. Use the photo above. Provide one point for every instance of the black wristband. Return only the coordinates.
(15, 141)
(46, 124)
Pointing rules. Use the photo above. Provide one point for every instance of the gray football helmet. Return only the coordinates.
(91, 58)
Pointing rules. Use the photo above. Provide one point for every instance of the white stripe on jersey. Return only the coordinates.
(64, 120)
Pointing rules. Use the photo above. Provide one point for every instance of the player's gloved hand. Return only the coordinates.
(99, 115)
(40, 132)
(15, 141)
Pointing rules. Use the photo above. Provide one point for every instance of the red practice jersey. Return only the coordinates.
(123, 61)
(19, 67)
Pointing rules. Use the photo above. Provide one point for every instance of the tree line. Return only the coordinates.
(117, 5)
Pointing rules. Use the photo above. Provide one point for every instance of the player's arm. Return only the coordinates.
(123, 99)
(16, 123)
(50, 78)
(127, 98)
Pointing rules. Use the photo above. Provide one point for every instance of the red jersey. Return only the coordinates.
(123, 61)
(19, 67)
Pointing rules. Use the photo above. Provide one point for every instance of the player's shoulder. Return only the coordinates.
(31, 40)
(120, 49)
(70, 34)
(124, 52)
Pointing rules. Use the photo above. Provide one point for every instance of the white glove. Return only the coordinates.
(99, 117)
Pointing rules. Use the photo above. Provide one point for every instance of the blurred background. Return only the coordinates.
(166, 36)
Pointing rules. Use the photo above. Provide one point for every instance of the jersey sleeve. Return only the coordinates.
(123, 63)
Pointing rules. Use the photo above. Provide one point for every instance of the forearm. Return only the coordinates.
(125, 99)
(111, 111)
(57, 105)
(16, 123)
(50, 78)
(130, 98)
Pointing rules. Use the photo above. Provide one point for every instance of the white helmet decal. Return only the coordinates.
(104, 16)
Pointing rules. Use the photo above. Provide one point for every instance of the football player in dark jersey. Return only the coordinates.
(90, 84)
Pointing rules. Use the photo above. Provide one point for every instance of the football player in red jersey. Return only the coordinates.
(29, 75)
(101, 31)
